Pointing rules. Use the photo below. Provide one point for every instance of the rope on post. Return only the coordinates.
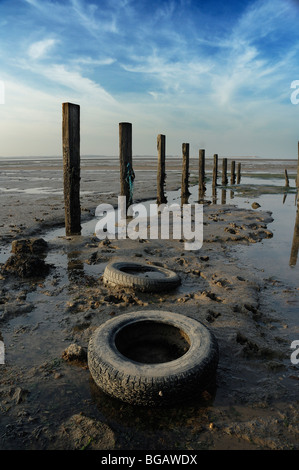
(130, 176)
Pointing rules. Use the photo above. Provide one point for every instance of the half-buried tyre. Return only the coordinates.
(142, 277)
(152, 358)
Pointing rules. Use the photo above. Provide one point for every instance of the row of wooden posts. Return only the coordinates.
(71, 168)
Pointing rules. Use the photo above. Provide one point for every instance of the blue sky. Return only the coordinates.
(211, 73)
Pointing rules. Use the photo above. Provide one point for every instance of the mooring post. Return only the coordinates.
(161, 175)
(239, 173)
(224, 171)
(215, 170)
(233, 172)
(185, 174)
(201, 174)
(295, 242)
(71, 167)
(286, 177)
(125, 159)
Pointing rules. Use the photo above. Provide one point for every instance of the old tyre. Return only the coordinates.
(152, 358)
(143, 277)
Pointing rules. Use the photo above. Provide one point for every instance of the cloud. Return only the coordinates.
(39, 49)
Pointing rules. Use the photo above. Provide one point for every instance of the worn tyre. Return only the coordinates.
(142, 277)
(127, 376)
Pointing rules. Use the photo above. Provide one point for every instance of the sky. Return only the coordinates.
(217, 75)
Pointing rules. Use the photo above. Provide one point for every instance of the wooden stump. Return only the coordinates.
(215, 170)
(127, 175)
(233, 172)
(185, 174)
(71, 167)
(161, 175)
(224, 171)
(201, 174)
(239, 173)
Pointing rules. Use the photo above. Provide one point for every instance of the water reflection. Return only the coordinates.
(223, 196)
(75, 267)
(214, 194)
(295, 243)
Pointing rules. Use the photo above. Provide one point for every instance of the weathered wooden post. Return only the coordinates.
(71, 167)
(295, 242)
(286, 177)
(239, 173)
(224, 171)
(201, 174)
(215, 170)
(161, 175)
(125, 159)
(233, 172)
(185, 174)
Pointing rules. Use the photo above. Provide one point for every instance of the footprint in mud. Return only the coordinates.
(211, 317)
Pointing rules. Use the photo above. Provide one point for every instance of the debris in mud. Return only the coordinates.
(26, 267)
(29, 245)
(27, 260)
(74, 353)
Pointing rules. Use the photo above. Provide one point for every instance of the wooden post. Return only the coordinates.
(224, 171)
(161, 175)
(287, 184)
(239, 173)
(233, 172)
(185, 174)
(215, 170)
(295, 243)
(125, 160)
(201, 174)
(71, 167)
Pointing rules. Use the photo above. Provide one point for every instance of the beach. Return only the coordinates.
(48, 400)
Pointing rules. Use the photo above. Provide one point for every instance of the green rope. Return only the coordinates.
(130, 176)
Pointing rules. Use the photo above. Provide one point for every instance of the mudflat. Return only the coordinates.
(49, 310)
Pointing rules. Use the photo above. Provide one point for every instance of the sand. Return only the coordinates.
(49, 402)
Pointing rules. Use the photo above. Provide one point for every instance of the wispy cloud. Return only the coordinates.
(39, 49)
